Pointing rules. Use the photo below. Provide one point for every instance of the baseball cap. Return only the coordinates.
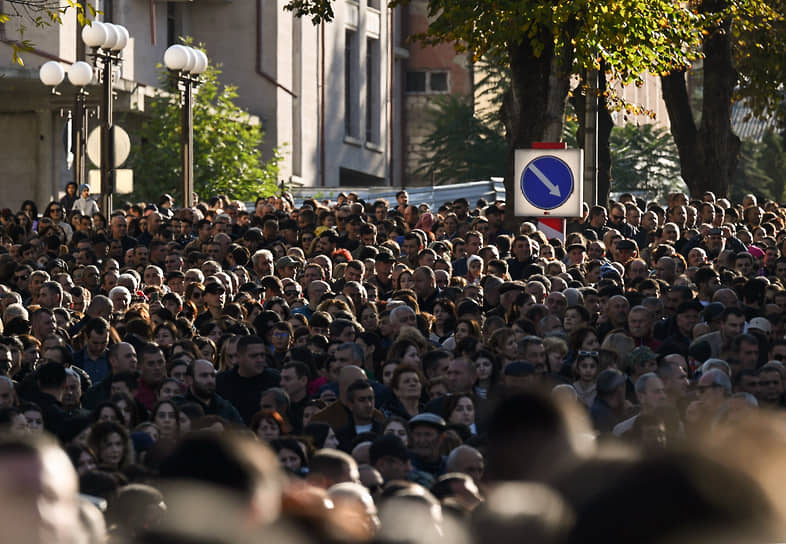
(214, 288)
(627, 244)
(385, 256)
(760, 323)
(287, 261)
(577, 246)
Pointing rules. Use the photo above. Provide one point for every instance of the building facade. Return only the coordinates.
(325, 94)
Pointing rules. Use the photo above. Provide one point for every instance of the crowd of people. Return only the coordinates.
(356, 371)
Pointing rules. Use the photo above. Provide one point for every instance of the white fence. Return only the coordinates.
(434, 196)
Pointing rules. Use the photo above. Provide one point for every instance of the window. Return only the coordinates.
(427, 82)
(373, 4)
(372, 90)
(350, 83)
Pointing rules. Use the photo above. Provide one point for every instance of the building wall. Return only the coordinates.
(275, 60)
(427, 69)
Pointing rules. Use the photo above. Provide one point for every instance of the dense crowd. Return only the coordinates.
(356, 371)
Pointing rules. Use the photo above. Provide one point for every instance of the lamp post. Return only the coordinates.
(108, 41)
(80, 74)
(187, 63)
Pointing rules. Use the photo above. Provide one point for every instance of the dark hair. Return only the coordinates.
(357, 385)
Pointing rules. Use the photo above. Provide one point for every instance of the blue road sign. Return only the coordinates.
(547, 182)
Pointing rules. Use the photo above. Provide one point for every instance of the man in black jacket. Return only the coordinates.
(201, 380)
(243, 385)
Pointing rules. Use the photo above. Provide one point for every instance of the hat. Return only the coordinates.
(427, 418)
(388, 445)
(713, 311)
(639, 355)
(511, 286)
(83, 187)
(756, 252)
(608, 271)
(627, 244)
(689, 305)
(385, 256)
(214, 288)
(287, 261)
(519, 368)
(609, 380)
(760, 323)
(577, 245)
(716, 232)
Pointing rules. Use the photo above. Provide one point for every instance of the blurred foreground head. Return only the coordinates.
(39, 500)
(529, 437)
(220, 487)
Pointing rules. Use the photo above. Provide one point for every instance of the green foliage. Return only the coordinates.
(758, 32)
(227, 159)
(42, 14)
(460, 147)
(761, 170)
(644, 158)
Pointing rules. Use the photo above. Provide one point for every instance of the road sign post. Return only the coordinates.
(549, 182)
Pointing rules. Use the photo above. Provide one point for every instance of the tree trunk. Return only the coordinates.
(708, 154)
(534, 108)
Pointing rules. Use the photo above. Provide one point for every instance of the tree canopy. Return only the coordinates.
(41, 14)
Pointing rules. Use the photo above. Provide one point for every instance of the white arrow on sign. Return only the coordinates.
(553, 189)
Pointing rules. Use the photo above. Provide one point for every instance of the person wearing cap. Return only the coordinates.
(609, 407)
(214, 299)
(383, 269)
(625, 251)
(518, 376)
(426, 432)
(389, 456)
(84, 204)
(686, 319)
(494, 216)
(577, 253)
(286, 267)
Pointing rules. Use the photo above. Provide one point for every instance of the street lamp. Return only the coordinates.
(80, 74)
(188, 63)
(108, 41)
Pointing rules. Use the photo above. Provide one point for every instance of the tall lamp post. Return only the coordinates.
(80, 74)
(107, 41)
(187, 63)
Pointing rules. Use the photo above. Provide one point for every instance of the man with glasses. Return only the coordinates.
(21, 279)
(618, 221)
(714, 388)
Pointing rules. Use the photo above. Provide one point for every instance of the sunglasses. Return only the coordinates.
(197, 294)
(290, 293)
(588, 354)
